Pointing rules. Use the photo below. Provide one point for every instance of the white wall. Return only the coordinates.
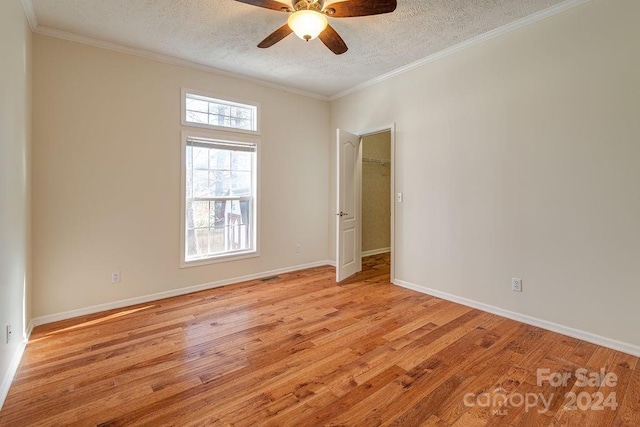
(15, 118)
(519, 157)
(106, 182)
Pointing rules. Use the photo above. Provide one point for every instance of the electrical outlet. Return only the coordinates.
(115, 277)
(8, 333)
(516, 284)
(298, 248)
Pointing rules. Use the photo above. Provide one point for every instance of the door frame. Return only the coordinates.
(367, 132)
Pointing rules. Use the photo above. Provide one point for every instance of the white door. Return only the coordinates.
(348, 251)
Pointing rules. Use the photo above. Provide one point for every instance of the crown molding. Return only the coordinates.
(167, 59)
(30, 13)
(531, 19)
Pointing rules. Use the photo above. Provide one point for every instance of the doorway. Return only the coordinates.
(380, 233)
(376, 193)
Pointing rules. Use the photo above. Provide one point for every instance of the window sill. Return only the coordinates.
(219, 258)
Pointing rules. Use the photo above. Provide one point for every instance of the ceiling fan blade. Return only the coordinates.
(349, 8)
(268, 4)
(333, 40)
(276, 36)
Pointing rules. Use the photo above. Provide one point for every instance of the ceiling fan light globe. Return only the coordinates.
(307, 24)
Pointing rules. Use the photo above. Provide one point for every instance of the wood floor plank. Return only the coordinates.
(302, 350)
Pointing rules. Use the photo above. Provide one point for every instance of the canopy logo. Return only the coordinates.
(499, 401)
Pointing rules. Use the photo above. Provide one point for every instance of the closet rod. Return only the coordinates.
(371, 160)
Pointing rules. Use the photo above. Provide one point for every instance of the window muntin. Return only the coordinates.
(204, 111)
(220, 199)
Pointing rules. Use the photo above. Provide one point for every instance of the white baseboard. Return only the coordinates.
(13, 366)
(167, 294)
(376, 251)
(534, 321)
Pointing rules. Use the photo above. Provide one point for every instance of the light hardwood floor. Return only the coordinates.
(301, 350)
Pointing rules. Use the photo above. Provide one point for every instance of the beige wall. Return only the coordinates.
(106, 182)
(15, 123)
(518, 157)
(376, 192)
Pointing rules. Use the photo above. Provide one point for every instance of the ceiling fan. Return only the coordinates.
(309, 19)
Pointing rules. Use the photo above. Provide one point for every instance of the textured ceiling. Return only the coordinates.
(223, 34)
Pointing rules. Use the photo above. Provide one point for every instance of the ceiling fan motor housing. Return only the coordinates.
(308, 5)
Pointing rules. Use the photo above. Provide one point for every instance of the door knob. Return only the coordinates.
(341, 214)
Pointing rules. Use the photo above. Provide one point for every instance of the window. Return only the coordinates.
(219, 187)
(201, 110)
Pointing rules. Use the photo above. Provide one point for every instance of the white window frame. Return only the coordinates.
(221, 136)
(224, 99)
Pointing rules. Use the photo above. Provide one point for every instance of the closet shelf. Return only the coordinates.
(381, 161)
